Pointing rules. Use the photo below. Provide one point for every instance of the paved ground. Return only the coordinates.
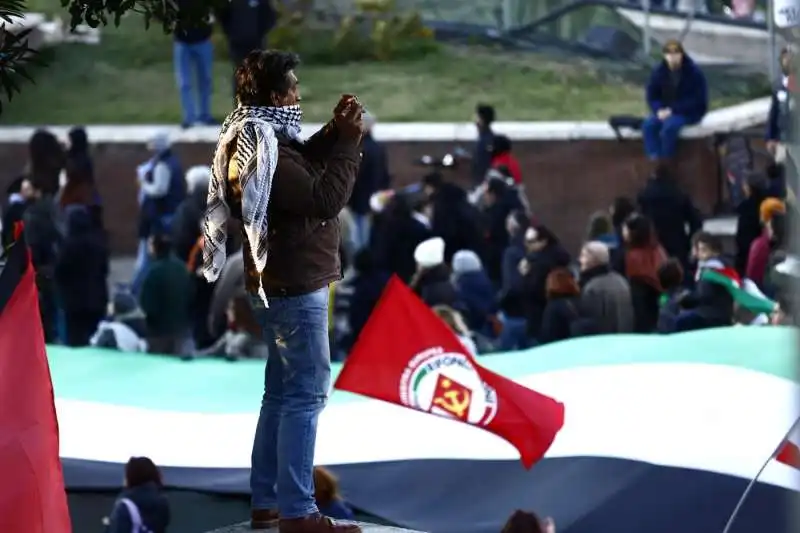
(244, 527)
(121, 270)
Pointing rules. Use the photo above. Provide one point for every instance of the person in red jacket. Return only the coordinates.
(502, 158)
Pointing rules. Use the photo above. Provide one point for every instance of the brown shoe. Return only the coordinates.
(315, 523)
(263, 518)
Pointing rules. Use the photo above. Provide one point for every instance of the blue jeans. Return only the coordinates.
(514, 335)
(296, 384)
(361, 230)
(661, 136)
(193, 64)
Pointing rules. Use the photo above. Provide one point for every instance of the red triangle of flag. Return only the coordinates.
(407, 356)
(32, 500)
(789, 454)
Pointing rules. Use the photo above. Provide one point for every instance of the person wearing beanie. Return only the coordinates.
(475, 291)
(677, 95)
(432, 281)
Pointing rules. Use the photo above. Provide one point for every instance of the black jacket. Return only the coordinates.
(675, 218)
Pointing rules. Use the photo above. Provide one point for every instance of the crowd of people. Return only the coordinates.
(480, 257)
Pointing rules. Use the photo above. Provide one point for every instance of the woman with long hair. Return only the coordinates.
(642, 260)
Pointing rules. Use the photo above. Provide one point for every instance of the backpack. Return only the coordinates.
(136, 518)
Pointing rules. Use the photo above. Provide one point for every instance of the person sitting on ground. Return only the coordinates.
(141, 506)
(677, 95)
(525, 522)
(166, 299)
(242, 339)
(124, 329)
(329, 499)
(605, 295)
(456, 323)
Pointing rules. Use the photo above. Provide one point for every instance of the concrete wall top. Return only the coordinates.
(729, 119)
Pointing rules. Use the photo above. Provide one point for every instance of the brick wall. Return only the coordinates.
(565, 180)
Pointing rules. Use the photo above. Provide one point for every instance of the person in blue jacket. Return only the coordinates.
(677, 95)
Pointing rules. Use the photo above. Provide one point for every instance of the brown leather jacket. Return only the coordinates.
(312, 184)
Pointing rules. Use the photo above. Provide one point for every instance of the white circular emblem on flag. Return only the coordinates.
(447, 384)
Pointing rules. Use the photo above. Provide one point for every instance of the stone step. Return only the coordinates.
(244, 527)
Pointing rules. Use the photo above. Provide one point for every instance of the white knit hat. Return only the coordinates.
(198, 176)
(466, 261)
(430, 253)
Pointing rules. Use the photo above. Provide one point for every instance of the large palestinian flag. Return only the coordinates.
(661, 434)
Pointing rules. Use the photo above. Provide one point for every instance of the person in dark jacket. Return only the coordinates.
(311, 184)
(193, 54)
(78, 154)
(475, 291)
(677, 95)
(748, 224)
(189, 214)
(46, 159)
(43, 235)
(621, 209)
(500, 200)
(544, 254)
(81, 273)
(246, 24)
(453, 218)
(166, 299)
(709, 304)
(671, 277)
(675, 218)
(368, 286)
(432, 281)
(373, 176)
(563, 306)
(481, 154)
(395, 234)
(141, 502)
(779, 117)
(514, 334)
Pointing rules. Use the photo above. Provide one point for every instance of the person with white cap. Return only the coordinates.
(161, 190)
(432, 279)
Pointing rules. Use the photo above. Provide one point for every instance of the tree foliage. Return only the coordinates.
(17, 57)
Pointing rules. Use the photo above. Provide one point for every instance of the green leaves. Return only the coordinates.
(17, 57)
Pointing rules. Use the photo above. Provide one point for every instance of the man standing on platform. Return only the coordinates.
(677, 95)
(287, 194)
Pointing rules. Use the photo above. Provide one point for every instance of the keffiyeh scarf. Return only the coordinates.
(256, 131)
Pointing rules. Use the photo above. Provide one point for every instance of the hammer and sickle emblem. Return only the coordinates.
(454, 401)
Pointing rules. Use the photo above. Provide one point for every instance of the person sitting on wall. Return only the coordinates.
(677, 95)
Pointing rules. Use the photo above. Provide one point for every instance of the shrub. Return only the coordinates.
(375, 32)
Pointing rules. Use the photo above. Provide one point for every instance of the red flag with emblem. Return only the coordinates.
(32, 497)
(407, 356)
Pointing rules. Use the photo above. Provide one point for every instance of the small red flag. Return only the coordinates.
(407, 356)
(32, 496)
(789, 454)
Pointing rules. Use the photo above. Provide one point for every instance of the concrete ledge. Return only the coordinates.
(729, 119)
(244, 527)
